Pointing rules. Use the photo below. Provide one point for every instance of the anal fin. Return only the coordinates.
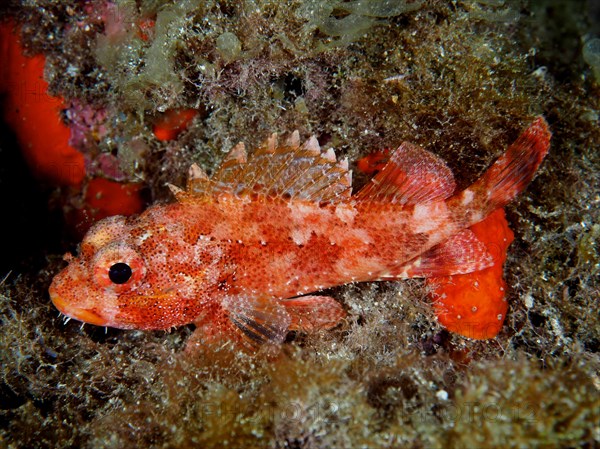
(313, 313)
(462, 253)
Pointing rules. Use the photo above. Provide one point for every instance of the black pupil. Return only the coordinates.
(119, 273)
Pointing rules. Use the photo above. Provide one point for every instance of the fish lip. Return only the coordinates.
(85, 315)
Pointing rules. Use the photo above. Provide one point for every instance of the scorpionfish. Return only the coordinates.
(243, 254)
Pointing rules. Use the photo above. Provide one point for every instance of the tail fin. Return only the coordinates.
(509, 175)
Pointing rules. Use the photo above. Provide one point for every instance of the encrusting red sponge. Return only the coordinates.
(34, 115)
(103, 198)
(173, 122)
(474, 305)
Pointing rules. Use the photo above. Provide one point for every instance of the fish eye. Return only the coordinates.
(118, 267)
(119, 273)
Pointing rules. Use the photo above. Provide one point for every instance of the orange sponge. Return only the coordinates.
(474, 304)
(34, 115)
(171, 123)
(104, 198)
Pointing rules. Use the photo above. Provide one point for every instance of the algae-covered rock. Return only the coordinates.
(229, 46)
(591, 55)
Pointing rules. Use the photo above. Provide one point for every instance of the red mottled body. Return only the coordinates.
(238, 251)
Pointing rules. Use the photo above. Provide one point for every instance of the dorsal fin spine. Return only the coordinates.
(294, 140)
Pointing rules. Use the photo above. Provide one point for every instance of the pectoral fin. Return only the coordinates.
(258, 320)
(253, 322)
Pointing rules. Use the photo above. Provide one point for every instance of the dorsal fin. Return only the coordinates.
(195, 173)
(180, 194)
(198, 181)
(287, 170)
(412, 175)
(237, 155)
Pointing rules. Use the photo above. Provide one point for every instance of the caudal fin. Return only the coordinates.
(508, 176)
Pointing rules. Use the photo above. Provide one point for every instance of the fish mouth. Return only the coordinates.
(85, 315)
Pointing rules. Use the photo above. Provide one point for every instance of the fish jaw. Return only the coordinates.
(84, 315)
(70, 296)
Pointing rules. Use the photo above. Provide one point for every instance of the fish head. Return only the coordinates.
(114, 281)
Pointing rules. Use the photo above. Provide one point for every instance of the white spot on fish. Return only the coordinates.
(427, 217)
(145, 236)
(476, 217)
(467, 197)
(300, 235)
(352, 236)
(299, 211)
(345, 213)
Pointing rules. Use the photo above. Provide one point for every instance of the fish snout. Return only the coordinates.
(71, 301)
